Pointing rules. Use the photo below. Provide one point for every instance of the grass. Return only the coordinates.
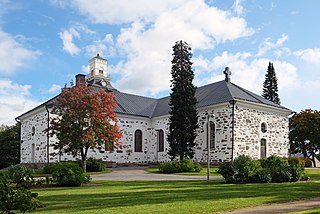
(203, 172)
(169, 196)
(314, 173)
(312, 211)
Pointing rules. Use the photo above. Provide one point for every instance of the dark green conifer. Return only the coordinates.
(183, 121)
(270, 85)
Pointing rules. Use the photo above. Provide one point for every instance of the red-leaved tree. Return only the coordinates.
(305, 134)
(85, 119)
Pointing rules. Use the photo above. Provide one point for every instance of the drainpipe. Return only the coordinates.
(48, 137)
(233, 102)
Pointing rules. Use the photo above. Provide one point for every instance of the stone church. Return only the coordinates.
(232, 121)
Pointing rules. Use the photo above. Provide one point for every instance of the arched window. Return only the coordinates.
(263, 148)
(138, 141)
(33, 131)
(263, 127)
(212, 135)
(160, 141)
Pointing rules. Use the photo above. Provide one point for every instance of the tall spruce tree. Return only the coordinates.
(270, 85)
(183, 114)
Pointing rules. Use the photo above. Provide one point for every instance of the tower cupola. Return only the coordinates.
(98, 73)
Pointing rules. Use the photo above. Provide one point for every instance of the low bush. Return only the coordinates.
(273, 169)
(261, 176)
(185, 165)
(278, 167)
(95, 165)
(68, 174)
(244, 168)
(297, 160)
(21, 175)
(308, 163)
(227, 171)
(14, 192)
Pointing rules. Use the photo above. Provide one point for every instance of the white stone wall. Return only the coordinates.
(247, 135)
(248, 132)
(33, 137)
(222, 120)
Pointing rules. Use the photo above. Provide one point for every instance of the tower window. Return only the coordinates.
(101, 72)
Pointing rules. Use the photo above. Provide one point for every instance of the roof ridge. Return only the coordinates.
(247, 92)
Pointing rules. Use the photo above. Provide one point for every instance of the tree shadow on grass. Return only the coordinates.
(120, 194)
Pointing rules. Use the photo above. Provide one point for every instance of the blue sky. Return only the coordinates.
(45, 43)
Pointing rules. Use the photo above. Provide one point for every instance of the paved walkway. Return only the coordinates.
(277, 208)
(139, 173)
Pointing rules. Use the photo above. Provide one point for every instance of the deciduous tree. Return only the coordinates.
(270, 85)
(305, 134)
(183, 114)
(85, 120)
(10, 145)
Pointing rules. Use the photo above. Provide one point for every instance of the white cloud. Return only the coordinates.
(147, 45)
(67, 40)
(248, 71)
(124, 11)
(14, 100)
(54, 89)
(105, 47)
(269, 44)
(14, 54)
(309, 55)
(238, 8)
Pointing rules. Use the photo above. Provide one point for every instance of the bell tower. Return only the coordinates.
(98, 74)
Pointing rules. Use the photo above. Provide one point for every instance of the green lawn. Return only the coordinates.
(169, 196)
(314, 173)
(312, 211)
(203, 172)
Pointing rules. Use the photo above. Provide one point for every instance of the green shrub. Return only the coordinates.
(14, 196)
(261, 176)
(49, 168)
(227, 171)
(185, 165)
(68, 174)
(95, 165)
(297, 171)
(279, 168)
(308, 163)
(244, 167)
(297, 160)
(21, 175)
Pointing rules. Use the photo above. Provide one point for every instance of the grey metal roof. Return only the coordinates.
(215, 93)
(134, 105)
(212, 94)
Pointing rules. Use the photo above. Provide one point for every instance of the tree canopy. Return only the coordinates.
(305, 134)
(85, 120)
(270, 85)
(10, 145)
(183, 114)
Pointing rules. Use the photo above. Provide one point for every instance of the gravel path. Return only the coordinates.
(139, 173)
(276, 208)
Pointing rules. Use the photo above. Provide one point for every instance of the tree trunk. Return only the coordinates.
(314, 161)
(84, 165)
